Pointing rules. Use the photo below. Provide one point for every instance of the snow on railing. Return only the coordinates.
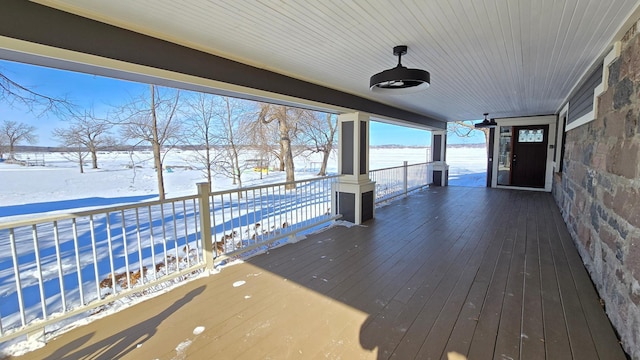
(400, 180)
(56, 267)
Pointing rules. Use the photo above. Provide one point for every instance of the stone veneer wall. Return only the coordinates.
(599, 193)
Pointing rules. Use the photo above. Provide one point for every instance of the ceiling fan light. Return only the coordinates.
(486, 123)
(400, 80)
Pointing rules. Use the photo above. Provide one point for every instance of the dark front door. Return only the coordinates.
(529, 158)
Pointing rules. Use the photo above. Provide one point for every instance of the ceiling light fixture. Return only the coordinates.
(486, 123)
(400, 80)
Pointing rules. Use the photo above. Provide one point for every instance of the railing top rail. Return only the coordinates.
(83, 213)
(401, 166)
(257, 187)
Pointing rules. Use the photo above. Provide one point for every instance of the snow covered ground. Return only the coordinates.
(467, 166)
(60, 186)
(123, 177)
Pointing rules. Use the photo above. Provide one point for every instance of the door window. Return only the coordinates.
(530, 135)
(504, 159)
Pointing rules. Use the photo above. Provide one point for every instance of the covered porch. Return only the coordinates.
(482, 273)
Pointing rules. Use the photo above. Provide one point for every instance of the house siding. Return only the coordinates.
(599, 193)
(581, 103)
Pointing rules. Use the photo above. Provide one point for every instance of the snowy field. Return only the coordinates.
(58, 187)
(467, 166)
(121, 178)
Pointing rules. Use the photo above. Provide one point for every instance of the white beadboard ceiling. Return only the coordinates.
(505, 57)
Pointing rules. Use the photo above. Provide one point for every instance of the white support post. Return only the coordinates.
(405, 172)
(204, 189)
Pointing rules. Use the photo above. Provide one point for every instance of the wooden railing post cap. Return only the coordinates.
(203, 186)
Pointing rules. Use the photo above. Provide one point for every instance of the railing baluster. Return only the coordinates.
(186, 233)
(139, 241)
(110, 247)
(197, 239)
(78, 267)
(153, 246)
(290, 206)
(123, 226)
(233, 240)
(36, 247)
(224, 224)
(175, 234)
(265, 214)
(16, 274)
(296, 206)
(288, 214)
(94, 251)
(305, 200)
(321, 198)
(247, 210)
(56, 243)
(239, 217)
(316, 197)
(255, 217)
(164, 240)
(214, 240)
(283, 208)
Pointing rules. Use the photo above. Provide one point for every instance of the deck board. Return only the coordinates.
(484, 273)
(532, 346)
(510, 324)
(461, 335)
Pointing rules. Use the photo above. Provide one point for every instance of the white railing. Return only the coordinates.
(250, 219)
(56, 267)
(400, 180)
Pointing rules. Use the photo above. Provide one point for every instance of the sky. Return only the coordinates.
(99, 94)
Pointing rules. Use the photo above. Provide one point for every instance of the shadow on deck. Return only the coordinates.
(476, 272)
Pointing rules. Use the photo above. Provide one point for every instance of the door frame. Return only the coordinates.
(524, 121)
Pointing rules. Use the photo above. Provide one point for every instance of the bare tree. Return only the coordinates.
(466, 129)
(88, 133)
(3, 143)
(200, 130)
(318, 135)
(15, 133)
(287, 119)
(154, 119)
(78, 154)
(70, 138)
(231, 136)
(18, 95)
(262, 138)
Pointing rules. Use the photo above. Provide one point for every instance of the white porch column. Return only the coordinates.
(439, 158)
(354, 194)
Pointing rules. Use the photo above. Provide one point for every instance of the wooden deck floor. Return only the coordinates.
(482, 273)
